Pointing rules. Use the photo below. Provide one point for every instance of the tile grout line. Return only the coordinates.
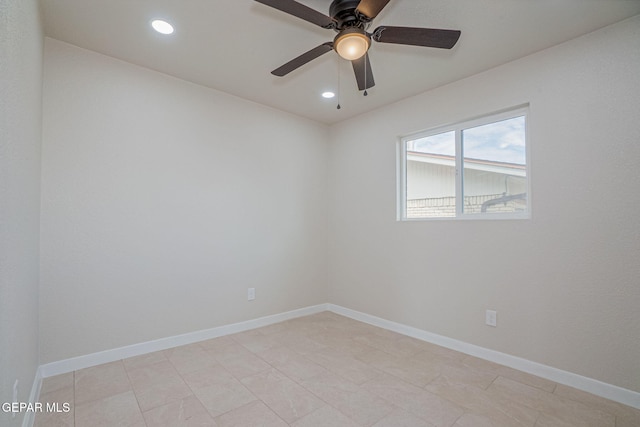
(135, 395)
(223, 368)
(306, 330)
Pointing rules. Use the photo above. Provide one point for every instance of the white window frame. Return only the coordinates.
(457, 128)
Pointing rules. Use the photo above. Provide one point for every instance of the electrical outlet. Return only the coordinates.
(491, 318)
(251, 294)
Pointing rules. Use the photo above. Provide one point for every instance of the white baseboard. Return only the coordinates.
(94, 359)
(30, 417)
(608, 391)
(599, 388)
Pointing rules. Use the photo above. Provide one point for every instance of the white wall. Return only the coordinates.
(565, 282)
(163, 201)
(20, 136)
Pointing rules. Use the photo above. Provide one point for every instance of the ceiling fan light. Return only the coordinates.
(352, 43)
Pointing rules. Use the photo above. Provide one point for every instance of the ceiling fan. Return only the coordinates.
(351, 20)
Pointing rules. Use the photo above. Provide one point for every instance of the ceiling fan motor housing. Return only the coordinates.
(344, 13)
(351, 20)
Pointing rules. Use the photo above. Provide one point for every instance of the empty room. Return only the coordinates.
(387, 213)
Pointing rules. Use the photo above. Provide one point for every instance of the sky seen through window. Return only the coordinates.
(502, 141)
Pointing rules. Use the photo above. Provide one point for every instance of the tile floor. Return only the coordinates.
(319, 370)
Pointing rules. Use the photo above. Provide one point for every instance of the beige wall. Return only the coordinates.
(20, 136)
(163, 201)
(565, 282)
(150, 230)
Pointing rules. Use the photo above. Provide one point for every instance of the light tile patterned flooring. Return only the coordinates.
(319, 370)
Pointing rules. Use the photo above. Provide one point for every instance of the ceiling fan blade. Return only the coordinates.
(301, 11)
(362, 70)
(429, 37)
(303, 59)
(371, 8)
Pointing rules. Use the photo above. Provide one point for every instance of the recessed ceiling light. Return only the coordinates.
(328, 95)
(163, 27)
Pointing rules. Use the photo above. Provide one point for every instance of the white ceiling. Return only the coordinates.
(233, 45)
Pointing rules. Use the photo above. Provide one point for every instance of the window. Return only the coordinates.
(475, 169)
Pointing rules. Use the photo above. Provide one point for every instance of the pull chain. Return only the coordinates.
(338, 106)
(365, 74)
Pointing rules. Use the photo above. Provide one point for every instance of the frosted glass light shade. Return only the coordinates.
(352, 44)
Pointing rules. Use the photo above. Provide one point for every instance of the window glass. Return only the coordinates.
(494, 167)
(431, 176)
(473, 169)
